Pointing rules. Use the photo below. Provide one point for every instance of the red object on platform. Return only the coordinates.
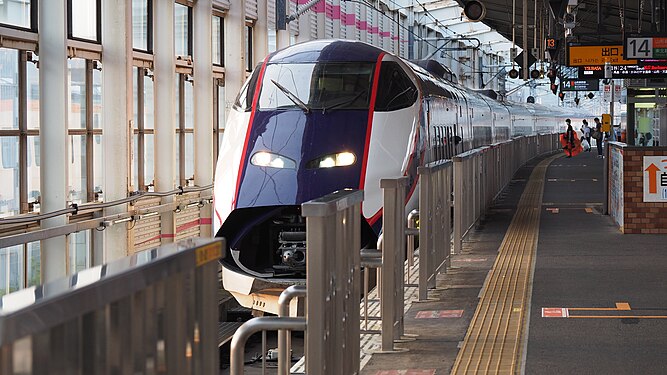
(566, 147)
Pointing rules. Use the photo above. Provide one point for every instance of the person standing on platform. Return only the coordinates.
(598, 135)
(586, 131)
(569, 139)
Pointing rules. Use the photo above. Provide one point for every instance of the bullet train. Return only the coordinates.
(326, 115)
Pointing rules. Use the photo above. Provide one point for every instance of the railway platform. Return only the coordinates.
(545, 284)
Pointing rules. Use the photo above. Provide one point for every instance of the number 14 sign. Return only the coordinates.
(645, 47)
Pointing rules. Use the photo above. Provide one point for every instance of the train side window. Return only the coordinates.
(244, 99)
(395, 89)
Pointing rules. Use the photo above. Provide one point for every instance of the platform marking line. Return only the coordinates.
(406, 372)
(563, 312)
(495, 339)
(439, 314)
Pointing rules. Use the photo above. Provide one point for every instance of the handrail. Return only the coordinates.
(74, 208)
(252, 326)
(284, 345)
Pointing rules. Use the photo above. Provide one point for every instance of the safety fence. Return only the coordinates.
(481, 174)
(153, 312)
(150, 218)
(173, 288)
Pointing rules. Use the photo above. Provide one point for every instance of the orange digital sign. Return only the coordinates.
(597, 55)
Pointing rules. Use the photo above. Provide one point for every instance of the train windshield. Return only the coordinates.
(317, 85)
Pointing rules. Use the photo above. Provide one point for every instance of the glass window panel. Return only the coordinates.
(9, 88)
(77, 93)
(34, 264)
(77, 169)
(181, 30)
(248, 48)
(84, 19)
(135, 162)
(149, 159)
(148, 103)
(33, 94)
(189, 156)
(216, 40)
(15, 13)
(33, 168)
(272, 40)
(78, 251)
(140, 24)
(11, 269)
(98, 178)
(178, 156)
(9, 175)
(135, 97)
(97, 99)
(177, 96)
(189, 106)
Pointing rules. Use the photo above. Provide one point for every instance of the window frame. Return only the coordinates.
(190, 28)
(222, 40)
(34, 19)
(98, 23)
(149, 30)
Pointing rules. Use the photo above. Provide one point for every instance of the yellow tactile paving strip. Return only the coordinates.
(494, 341)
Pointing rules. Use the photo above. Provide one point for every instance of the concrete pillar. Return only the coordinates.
(116, 119)
(234, 51)
(363, 24)
(319, 9)
(351, 20)
(203, 103)
(336, 18)
(261, 41)
(304, 26)
(376, 27)
(53, 133)
(164, 88)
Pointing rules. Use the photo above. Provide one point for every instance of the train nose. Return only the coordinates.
(293, 157)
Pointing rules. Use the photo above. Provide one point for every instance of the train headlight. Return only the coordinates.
(340, 159)
(267, 159)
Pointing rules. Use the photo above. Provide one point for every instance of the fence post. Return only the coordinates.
(425, 235)
(393, 227)
(458, 203)
(284, 347)
(333, 232)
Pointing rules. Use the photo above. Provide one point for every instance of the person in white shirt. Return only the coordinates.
(586, 131)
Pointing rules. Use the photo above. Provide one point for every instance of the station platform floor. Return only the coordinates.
(545, 284)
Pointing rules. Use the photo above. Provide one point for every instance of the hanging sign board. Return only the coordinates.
(580, 85)
(645, 47)
(582, 55)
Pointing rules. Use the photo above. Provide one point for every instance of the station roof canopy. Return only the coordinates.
(595, 21)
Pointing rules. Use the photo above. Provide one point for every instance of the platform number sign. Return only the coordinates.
(644, 47)
(639, 48)
(655, 178)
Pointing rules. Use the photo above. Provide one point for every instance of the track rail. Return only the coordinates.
(494, 341)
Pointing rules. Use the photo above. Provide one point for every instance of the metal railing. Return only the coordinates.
(153, 312)
(333, 240)
(393, 256)
(435, 202)
(25, 228)
(284, 339)
(481, 174)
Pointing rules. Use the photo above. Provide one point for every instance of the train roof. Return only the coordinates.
(327, 50)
